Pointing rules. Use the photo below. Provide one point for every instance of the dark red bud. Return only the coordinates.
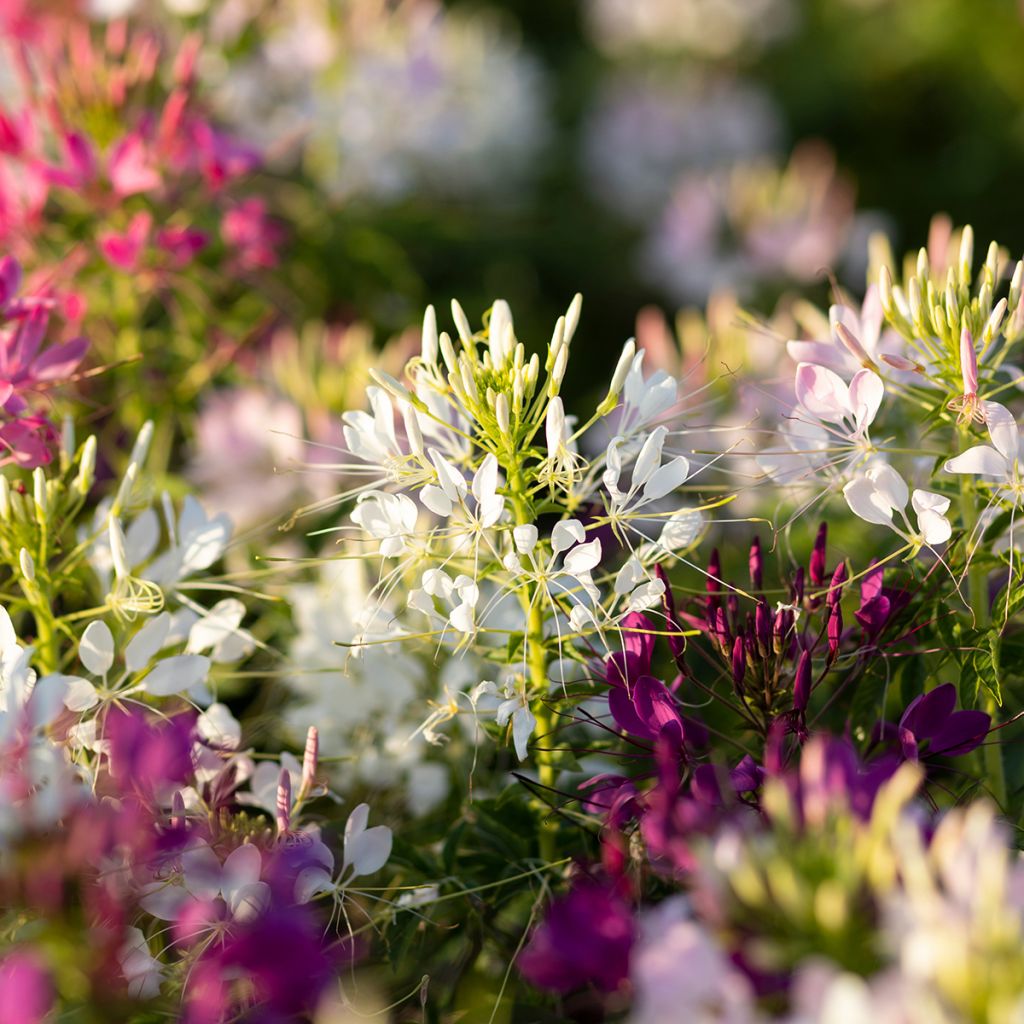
(756, 563)
(816, 569)
(802, 682)
(835, 589)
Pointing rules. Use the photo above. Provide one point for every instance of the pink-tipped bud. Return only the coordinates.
(310, 759)
(853, 345)
(763, 627)
(756, 562)
(816, 568)
(739, 663)
(178, 819)
(284, 802)
(802, 682)
(968, 363)
(899, 363)
(835, 632)
(835, 588)
(722, 632)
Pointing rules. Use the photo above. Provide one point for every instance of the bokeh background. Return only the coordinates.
(639, 151)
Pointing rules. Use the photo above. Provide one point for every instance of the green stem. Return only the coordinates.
(537, 664)
(977, 588)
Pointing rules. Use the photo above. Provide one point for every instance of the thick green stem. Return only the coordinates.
(537, 666)
(977, 584)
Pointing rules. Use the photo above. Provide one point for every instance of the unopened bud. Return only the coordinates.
(966, 254)
(39, 494)
(141, 447)
(28, 566)
(755, 561)
(968, 363)
(391, 386)
(501, 413)
(283, 805)
(739, 663)
(461, 323)
(572, 317)
(1016, 284)
(556, 344)
(802, 682)
(622, 368)
(5, 499)
(835, 587)
(835, 631)
(310, 759)
(125, 489)
(853, 345)
(86, 466)
(67, 442)
(558, 371)
(899, 363)
(992, 264)
(448, 352)
(995, 321)
(816, 568)
(428, 342)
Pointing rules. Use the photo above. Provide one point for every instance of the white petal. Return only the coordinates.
(48, 698)
(649, 458)
(890, 485)
(176, 674)
(220, 622)
(96, 648)
(681, 530)
(219, 727)
(822, 392)
(247, 903)
(866, 393)
(1002, 428)
(523, 724)
(80, 694)
(922, 500)
(485, 480)
(368, 851)
(436, 500)
(934, 527)
(583, 558)
(666, 479)
(981, 459)
(311, 882)
(143, 647)
(865, 500)
(525, 538)
(566, 533)
(242, 867)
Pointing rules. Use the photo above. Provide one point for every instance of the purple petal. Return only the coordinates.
(962, 733)
(926, 714)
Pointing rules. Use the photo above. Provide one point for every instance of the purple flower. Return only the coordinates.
(879, 604)
(931, 719)
(585, 940)
(147, 755)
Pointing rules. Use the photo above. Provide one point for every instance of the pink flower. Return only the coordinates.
(129, 167)
(248, 229)
(124, 250)
(182, 244)
(26, 993)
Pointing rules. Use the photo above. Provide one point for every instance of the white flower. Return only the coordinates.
(140, 968)
(366, 851)
(998, 463)
(389, 518)
(23, 700)
(513, 706)
(644, 400)
(197, 541)
(881, 491)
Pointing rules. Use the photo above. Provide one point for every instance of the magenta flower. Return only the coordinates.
(585, 940)
(248, 229)
(931, 725)
(26, 993)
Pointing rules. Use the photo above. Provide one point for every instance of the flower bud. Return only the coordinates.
(835, 588)
(461, 323)
(739, 663)
(67, 442)
(816, 568)
(1016, 284)
(86, 466)
(118, 550)
(572, 317)
(853, 345)
(428, 344)
(28, 566)
(756, 564)
(899, 363)
(763, 627)
(966, 254)
(722, 634)
(622, 368)
(802, 682)
(995, 321)
(797, 588)
(39, 494)
(141, 447)
(283, 806)
(310, 759)
(968, 363)
(501, 413)
(448, 352)
(835, 631)
(5, 499)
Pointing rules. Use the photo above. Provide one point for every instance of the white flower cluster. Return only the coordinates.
(482, 505)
